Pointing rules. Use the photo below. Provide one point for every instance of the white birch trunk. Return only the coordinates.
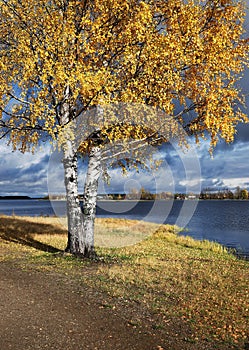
(90, 200)
(75, 243)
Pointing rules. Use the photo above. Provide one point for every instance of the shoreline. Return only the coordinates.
(26, 198)
(133, 222)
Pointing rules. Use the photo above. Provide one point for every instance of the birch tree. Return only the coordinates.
(61, 58)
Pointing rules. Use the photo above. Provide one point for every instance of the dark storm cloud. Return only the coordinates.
(36, 169)
(23, 174)
(242, 132)
(28, 171)
(229, 166)
(214, 184)
(243, 129)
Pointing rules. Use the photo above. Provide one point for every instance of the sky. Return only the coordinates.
(35, 174)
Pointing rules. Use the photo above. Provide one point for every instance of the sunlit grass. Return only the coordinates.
(199, 282)
(177, 277)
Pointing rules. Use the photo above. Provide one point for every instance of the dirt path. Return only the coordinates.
(40, 311)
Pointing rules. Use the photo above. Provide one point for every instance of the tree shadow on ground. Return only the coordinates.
(18, 230)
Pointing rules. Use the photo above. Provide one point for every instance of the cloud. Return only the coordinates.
(27, 174)
(23, 174)
(228, 168)
(242, 134)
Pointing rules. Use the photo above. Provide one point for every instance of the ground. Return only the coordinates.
(48, 300)
(46, 311)
(41, 311)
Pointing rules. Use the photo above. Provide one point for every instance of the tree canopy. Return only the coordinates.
(176, 61)
(59, 58)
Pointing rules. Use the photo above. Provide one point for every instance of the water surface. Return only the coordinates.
(226, 222)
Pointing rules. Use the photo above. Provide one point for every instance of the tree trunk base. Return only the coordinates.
(88, 254)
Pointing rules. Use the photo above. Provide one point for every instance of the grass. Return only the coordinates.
(198, 283)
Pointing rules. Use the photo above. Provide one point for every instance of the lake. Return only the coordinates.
(226, 222)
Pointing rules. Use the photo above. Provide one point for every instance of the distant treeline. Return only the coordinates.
(15, 197)
(143, 194)
(207, 193)
(239, 193)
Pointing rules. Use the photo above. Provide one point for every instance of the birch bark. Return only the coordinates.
(75, 243)
(90, 200)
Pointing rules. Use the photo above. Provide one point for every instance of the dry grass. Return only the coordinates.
(120, 232)
(176, 277)
(109, 232)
